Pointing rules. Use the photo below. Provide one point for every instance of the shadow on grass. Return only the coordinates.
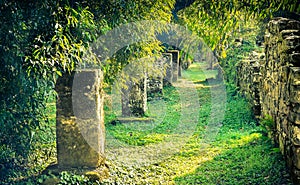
(256, 162)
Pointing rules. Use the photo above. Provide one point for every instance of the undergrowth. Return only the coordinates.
(43, 152)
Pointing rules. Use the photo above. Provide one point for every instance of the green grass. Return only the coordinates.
(143, 133)
(254, 162)
(244, 155)
(197, 72)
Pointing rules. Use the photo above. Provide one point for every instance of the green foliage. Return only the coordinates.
(267, 125)
(73, 30)
(40, 40)
(62, 178)
(126, 12)
(217, 21)
(21, 106)
(240, 50)
(267, 122)
(68, 178)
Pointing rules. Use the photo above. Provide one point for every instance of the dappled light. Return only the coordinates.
(150, 92)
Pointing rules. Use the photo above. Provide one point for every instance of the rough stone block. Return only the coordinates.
(168, 79)
(293, 25)
(292, 41)
(296, 135)
(155, 81)
(180, 66)
(296, 157)
(134, 98)
(285, 125)
(294, 76)
(175, 61)
(296, 176)
(294, 118)
(295, 59)
(295, 96)
(154, 86)
(287, 33)
(295, 107)
(282, 143)
(80, 128)
(283, 74)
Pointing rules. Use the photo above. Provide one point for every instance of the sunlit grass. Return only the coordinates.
(197, 72)
(248, 160)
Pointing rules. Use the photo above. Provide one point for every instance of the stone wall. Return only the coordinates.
(249, 79)
(273, 86)
(279, 95)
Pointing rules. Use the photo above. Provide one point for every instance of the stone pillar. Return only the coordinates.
(80, 132)
(134, 98)
(168, 79)
(180, 66)
(155, 80)
(175, 61)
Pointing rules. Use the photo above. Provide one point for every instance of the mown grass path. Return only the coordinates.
(199, 137)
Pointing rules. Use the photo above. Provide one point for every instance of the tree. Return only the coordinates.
(217, 21)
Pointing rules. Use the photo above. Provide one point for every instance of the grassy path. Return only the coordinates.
(196, 139)
(173, 137)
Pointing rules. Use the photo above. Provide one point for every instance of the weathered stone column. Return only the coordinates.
(80, 132)
(180, 66)
(175, 61)
(168, 79)
(155, 80)
(134, 98)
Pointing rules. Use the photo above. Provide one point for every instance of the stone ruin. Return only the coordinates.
(175, 64)
(168, 78)
(80, 131)
(134, 98)
(155, 79)
(272, 84)
(249, 79)
(135, 93)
